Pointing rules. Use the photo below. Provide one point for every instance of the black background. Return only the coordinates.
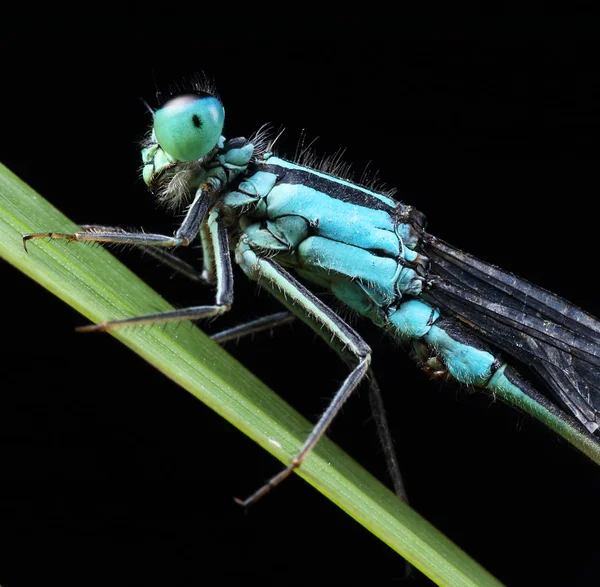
(113, 474)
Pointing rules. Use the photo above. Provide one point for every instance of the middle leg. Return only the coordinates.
(306, 306)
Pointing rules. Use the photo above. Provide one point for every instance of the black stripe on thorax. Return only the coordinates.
(331, 187)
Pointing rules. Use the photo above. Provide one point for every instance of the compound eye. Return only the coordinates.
(188, 127)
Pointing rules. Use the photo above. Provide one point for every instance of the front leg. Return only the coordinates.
(219, 250)
(186, 233)
(162, 255)
(348, 343)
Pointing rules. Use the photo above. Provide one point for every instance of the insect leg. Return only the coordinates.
(186, 233)
(160, 254)
(253, 327)
(224, 279)
(376, 400)
(324, 322)
(385, 437)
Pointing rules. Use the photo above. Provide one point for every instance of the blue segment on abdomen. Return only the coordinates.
(413, 319)
(465, 363)
(416, 320)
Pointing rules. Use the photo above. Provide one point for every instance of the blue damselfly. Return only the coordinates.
(458, 316)
(429, 209)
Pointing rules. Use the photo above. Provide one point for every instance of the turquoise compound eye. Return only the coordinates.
(189, 126)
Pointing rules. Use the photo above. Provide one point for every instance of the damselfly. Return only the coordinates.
(457, 315)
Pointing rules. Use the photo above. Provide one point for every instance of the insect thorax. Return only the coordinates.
(353, 241)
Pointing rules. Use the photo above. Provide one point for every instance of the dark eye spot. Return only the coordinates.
(196, 121)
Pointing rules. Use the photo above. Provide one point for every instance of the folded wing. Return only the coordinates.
(559, 342)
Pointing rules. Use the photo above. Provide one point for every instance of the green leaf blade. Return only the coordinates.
(93, 282)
